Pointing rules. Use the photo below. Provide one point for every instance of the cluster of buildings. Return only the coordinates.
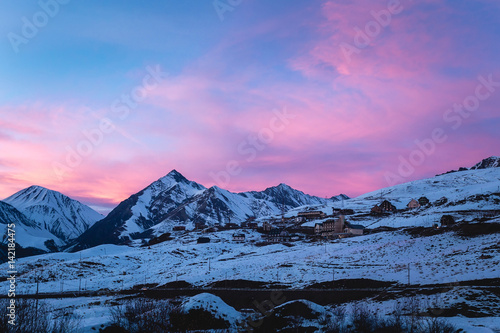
(386, 207)
(338, 228)
(311, 223)
(315, 224)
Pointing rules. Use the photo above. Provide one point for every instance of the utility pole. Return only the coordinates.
(36, 311)
(408, 273)
(79, 285)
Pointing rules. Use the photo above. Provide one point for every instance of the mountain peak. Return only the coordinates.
(280, 186)
(174, 173)
(490, 162)
(36, 187)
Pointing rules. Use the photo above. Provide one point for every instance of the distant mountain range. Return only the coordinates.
(48, 220)
(173, 200)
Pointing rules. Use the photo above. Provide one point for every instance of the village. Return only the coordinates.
(313, 225)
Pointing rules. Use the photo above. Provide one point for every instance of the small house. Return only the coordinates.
(413, 204)
(238, 237)
(447, 220)
(253, 225)
(423, 201)
(278, 236)
(203, 240)
(354, 229)
(179, 228)
(387, 207)
(376, 210)
(347, 211)
(200, 225)
(267, 226)
(335, 211)
(312, 215)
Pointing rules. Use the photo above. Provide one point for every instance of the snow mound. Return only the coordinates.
(214, 305)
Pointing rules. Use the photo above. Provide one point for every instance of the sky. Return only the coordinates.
(98, 99)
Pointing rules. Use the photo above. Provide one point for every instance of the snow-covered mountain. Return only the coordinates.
(175, 200)
(28, 233)
(490, 162)
(52, 211)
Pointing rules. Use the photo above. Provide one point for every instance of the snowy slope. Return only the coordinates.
(27, 232)
(467, 195)
(443, 258)
(52, 211)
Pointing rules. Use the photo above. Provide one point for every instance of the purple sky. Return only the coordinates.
(99, 99)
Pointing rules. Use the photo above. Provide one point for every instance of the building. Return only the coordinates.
(423, 201)
(376, 210)
(267, 226)
(300, 219)
(413, 204)
(384, 208)
(203, 240)
(199, 225)
(354, 229)
(278, 236)
(447, 220)
(238, 237)
(312, 215)
(330, 227)
(335, 211)
(179, 228)
(387, 207)
(253, 225)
